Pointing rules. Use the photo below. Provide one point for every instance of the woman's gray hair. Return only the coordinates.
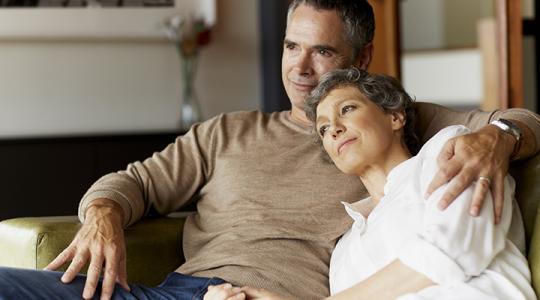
(357, 17)
(384, 91)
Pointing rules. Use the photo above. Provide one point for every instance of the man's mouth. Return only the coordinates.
(305, 87)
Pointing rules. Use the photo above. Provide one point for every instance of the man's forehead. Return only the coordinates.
(316, 28)
(317, 20)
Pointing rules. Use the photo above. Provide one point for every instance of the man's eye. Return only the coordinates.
(323, 129)
(290, 46)
(347, 108)
(324, 52)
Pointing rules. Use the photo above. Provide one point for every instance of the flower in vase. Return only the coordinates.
(189, 34)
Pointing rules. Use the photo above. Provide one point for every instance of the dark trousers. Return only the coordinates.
(36, 284)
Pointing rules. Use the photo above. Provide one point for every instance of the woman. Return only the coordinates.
(401, 245)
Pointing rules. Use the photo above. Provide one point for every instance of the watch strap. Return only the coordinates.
(512, 129)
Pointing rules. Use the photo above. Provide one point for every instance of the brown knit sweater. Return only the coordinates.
(268, 202)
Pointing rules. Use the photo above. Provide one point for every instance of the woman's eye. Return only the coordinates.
(323, 129)
(347, 108)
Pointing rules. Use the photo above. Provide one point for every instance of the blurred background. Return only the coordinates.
(71, 71)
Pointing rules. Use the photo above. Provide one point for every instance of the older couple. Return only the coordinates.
(400, 245)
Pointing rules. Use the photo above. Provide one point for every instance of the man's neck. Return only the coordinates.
(298, 116)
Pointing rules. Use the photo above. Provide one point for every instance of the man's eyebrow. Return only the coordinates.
(316, 47)
(326, 48)
(287, 41)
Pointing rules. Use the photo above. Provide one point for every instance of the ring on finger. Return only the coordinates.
(487, 179)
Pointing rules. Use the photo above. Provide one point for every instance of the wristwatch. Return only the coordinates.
(512, 129)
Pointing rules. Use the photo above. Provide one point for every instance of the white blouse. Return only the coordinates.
(467, 257)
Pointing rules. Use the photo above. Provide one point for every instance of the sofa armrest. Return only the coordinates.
(527, 176)
(154, 245)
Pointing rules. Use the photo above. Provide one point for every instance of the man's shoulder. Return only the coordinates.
(249, 118)
(243, 115)
(245, 122)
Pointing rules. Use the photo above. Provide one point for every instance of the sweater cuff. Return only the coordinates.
(530, 119)
(113, 196)
(425, 258)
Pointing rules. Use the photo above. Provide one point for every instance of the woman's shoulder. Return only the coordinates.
(434, 145)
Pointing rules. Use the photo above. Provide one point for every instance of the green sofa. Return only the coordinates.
(154, 246)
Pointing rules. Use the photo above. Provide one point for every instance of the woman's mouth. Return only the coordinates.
(344, 144)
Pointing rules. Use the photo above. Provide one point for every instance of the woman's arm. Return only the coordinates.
(390, 282)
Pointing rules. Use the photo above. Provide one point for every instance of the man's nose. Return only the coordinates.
(303, 63)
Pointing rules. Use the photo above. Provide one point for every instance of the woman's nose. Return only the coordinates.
(337, 130)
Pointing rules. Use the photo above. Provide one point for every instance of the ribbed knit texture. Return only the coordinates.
(268, 200)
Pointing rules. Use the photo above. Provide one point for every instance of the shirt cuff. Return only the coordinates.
(425, 258)
(113, 196)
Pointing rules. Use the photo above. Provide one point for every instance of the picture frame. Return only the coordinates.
(97, 23)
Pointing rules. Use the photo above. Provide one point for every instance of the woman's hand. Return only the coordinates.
(99, 242)
(224, 292)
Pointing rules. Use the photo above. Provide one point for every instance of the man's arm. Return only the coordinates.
(483, 153)
(164, 182)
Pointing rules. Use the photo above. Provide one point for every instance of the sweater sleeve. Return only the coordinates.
(451, 244)
(432, 117)
(164, 182)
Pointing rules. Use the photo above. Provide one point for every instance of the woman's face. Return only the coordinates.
(355, 132)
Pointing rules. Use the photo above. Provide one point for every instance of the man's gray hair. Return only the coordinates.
(356, 15)
(384, 91)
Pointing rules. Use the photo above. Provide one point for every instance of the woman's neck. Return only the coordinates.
(374, 176)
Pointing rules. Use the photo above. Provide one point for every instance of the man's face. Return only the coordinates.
(313, 46)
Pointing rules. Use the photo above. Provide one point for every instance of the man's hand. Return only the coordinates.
(100, 241)
(465, 159)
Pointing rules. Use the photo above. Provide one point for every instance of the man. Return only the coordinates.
(268, 204)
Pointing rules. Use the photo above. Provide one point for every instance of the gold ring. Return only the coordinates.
(485, 178)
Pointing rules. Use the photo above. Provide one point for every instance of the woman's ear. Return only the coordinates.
(398, 120)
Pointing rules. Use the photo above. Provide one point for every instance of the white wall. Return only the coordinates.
(58, 88)
(436, 24)
(439, 62)
(421, 24)
(450, 78)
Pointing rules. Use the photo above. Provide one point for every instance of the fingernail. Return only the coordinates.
(441, 206)
(474, 211)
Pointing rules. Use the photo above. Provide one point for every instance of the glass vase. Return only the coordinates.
(190, 111)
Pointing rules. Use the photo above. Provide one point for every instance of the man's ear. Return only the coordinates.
(398, 120)
(363, 59)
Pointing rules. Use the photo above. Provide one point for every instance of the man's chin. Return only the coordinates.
(298, 101)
